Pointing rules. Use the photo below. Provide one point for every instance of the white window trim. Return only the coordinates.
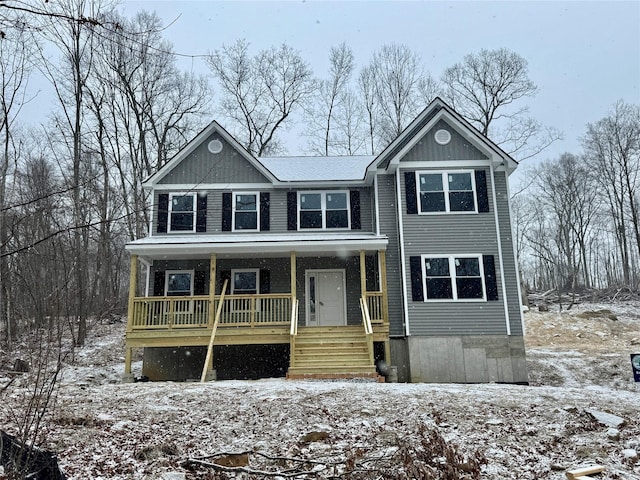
(323, 206)
(244, 270)
(170, 272)
(452, 276)
(194, 211)
(233, 212)
(445, 186)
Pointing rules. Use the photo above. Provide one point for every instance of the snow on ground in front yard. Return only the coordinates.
(102, 428)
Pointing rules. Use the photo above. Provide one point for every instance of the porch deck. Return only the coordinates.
(244, 320)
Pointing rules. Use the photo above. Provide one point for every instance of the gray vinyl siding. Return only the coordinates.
(202, 166)
(163, 265)
(387, 212)
(428, 149)
(451, 234)
(508, 254)
(277, 211)
(279, 271)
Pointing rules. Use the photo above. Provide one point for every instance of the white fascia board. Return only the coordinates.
(324, 184)
(448, 165)
(189, 187)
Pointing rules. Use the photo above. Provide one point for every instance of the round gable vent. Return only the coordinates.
(215, 146)
(442, 136)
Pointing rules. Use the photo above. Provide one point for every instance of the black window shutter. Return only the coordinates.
(490, 280)
(410, 192)
(265, 284)
(264, 211)
(417, 293)
(354, 197)
(199, 282)
(201, 216)
(226, 212)
(225, 275)
(292, 210)
(158, 283)
(163, 212)
(481, 191)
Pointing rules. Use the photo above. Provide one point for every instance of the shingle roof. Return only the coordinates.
(314, 169)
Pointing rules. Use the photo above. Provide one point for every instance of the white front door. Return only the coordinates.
(326, 298)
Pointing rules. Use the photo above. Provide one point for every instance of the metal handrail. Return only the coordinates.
(293, 332)
(294, 317)
(368, 328)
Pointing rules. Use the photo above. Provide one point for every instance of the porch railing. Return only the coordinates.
(375, 305)
(252, 310)
(193, 312)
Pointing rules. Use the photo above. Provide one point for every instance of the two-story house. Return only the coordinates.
(328, 266)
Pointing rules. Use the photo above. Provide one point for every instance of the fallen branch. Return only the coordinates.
(221, 468)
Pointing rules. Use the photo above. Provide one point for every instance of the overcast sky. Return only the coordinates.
(583, 56)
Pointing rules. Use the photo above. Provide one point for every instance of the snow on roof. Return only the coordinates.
(313, 169)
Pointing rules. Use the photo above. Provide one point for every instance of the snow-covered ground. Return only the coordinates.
(579, 368)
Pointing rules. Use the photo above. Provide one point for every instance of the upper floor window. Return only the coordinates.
(323, 210)
(446, 192)
(245, 211)
(182, 212)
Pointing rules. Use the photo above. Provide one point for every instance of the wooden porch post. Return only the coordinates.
(293, 276)
(363, 274)
(133, 280)
(212, 299)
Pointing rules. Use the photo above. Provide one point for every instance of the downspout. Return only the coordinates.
(502, 280)
(377, 211)
(515, 258)
(403, 269)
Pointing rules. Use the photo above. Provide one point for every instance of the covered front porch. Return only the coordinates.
(237, 298)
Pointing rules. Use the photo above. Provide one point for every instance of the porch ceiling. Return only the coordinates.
(181, 247)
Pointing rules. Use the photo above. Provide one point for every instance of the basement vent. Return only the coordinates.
(215, 146)
(442, 136)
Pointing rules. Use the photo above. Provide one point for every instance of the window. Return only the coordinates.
(182, 208)
(446, 192)
(323, 210)
(179, 283)
(245, 211)
(453, 277)
(244, 282)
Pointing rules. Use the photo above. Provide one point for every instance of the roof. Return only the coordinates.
(268, 244)
(317, 169)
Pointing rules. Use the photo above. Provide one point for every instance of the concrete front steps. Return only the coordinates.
(340, 352)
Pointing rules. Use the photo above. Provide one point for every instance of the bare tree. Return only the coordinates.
(487, 89)
(321, 116)
(149, 107)
(367, 90)
(568, 194)
(260, 93)
(399, 82)
(75, 39)
(14, 74)
(612, 148)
